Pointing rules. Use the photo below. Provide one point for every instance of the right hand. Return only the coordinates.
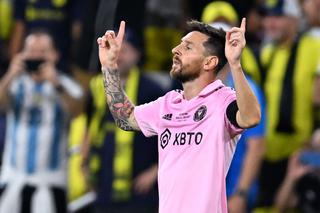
(17, 65)
(237, 204)
(295, 168)
(110, 46)
(235, 42)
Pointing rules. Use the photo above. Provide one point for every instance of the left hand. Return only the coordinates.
(235, 42)
(237, 204)
(145, 181)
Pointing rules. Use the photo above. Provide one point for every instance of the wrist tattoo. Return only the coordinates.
(119, 104)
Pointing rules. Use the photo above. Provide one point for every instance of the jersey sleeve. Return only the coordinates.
(147, 117)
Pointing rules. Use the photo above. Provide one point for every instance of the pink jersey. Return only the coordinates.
(196, 145)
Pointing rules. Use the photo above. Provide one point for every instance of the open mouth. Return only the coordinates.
(176, 60)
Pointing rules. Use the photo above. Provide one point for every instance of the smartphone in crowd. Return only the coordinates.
(310, 158)
(32, 65)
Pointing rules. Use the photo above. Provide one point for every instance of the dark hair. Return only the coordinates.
(215, 45)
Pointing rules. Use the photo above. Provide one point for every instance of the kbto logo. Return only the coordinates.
(181, 139)
(165, 138)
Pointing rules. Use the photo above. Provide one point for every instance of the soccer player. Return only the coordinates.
(197, 127)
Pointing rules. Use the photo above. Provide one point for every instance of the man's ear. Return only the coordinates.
(210, 63)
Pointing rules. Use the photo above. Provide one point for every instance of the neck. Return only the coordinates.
(192, 88)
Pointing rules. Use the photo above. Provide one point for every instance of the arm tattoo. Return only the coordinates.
(119, 105)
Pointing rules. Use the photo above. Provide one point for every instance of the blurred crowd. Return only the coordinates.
(61, 151)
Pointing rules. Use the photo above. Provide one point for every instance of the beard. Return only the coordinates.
(182, 73)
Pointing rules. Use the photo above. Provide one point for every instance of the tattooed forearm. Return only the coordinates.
(119, 104)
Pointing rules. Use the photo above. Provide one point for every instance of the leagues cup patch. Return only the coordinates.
(200, 113)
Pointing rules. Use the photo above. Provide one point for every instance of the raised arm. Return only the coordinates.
(249, 113)
(15, 69)
(119, 104)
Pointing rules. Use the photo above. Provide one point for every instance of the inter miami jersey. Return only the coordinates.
(196, 144)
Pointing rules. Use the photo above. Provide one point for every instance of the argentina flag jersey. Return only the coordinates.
(36, 135)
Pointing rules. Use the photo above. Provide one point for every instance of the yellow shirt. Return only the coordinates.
(281, 145)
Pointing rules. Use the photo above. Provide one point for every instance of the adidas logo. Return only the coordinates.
(167, 117)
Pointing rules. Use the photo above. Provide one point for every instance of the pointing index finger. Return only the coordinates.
(243, 24)
(121, 31)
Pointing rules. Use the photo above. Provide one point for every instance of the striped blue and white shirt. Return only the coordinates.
(37, 130)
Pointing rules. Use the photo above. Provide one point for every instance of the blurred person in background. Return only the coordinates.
(311, 10)
(300, 190)
(194, 9)
(99, 15)
(163, 31)
(241, 179)
(290, 63)
(123, 165)
(62, 18)
(39, 102)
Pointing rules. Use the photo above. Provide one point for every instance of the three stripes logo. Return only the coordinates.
(167, 117)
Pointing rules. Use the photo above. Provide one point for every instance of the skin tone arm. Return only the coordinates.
(47, 72)
(119, 104)
(249, 172)
(15, 68)
(286, 197)
(16, 38)
(85, 150)
(249, 113)
(316, 96)
(144, 182)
